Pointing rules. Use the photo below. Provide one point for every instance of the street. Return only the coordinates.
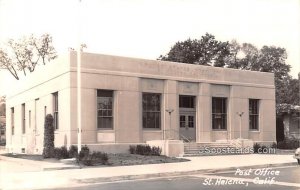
(287, 177)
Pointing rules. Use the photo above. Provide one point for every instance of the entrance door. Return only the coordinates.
(187, 128)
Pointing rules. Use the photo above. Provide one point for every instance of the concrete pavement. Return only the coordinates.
(90, 175)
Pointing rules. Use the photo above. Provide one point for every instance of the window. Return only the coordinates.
(253, 114)
(23, 119)
(182, 121)
(45, 111)
(186, 101)
(187, 121)
(55, 110)
(12, 112)
(219, 113)
(151, 111)
(105, 109)
(29, 118)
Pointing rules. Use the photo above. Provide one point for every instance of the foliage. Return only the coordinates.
(48, 137)
(205, 51)
(94, 158)
(256, 146)
(288, 144)
(286, 108)
(132, 149)
(84, 152)
(90, 159)
(26, 53)
(273, 145)
(61, 153)
(267, 59)
(2, 106)
(73, 151)
(287, 93)
(145, 150)
(245, 56)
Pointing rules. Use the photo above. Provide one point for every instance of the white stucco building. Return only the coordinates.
(124, 101)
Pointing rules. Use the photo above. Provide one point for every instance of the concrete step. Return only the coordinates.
(197, 149)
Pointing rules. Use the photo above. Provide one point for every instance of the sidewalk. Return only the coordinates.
(90, 175)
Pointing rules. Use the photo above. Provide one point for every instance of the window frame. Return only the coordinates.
(55, 111)
(254, 115)
(157, 113)
(223, 114)
(191, 101)
(29, 118)
(23, 118)
(98, 118)
(12, 112)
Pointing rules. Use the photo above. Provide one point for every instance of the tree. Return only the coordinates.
(205, 51)
(266, 59)
(2, 106)
(48, 150)
(26, 53)
(244, 56)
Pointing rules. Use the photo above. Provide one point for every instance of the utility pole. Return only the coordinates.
(79, 49)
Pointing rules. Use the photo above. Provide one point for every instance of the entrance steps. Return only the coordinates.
(208, 148)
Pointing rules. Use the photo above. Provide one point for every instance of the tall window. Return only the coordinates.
(151, 111)
(29, 118)
(186, 101)
(23, 119)
(12, 112)
(55, 110)
(253, 114)
(219, 113)
(105, 109)
(45, 111)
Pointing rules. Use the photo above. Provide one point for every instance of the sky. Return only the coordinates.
(148, 28)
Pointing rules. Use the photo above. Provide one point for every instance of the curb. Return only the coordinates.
(60, 168)
(172, 174)
(34, 163)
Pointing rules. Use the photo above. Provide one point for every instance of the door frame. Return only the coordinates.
(187, 113)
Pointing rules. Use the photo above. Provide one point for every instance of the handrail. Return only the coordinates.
(180, 135)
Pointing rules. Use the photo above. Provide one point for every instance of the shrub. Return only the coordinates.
(94, 158)
(48, 137)
(61, 153)
(256, 146)
(156, 151)
(145, 150)
(85, 151)
(288, 144)
(101, 157)
(273, 145)
(132, 149)
(73, 151)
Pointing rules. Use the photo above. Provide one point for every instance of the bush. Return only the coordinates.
(288, 144)
(94, 158)
(61, 153)
(256, 146)
(48, 137)
(84, 152)
(73, 151)
(156, 151)
(273, 145)
(132, 149)
(145, 150)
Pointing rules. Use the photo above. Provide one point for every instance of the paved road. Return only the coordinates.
(283, 178)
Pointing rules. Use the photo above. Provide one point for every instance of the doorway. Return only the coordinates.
(187, 118)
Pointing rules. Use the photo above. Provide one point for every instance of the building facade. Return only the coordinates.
(127, 100)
